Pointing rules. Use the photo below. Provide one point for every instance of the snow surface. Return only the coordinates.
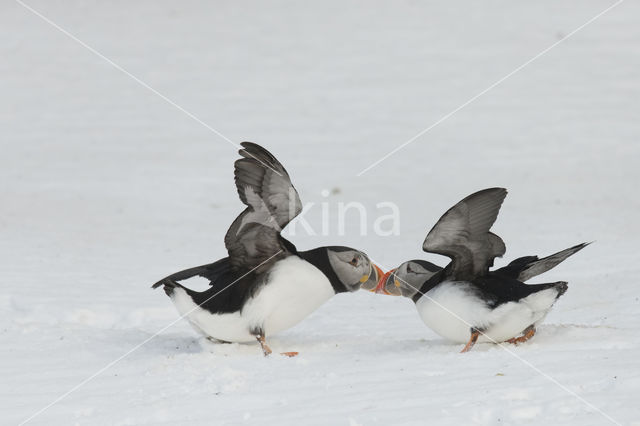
(106, 188)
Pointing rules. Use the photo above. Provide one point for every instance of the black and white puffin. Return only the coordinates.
(265, 285)
(464, 301)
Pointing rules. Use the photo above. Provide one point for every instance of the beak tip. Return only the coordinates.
(380, 289)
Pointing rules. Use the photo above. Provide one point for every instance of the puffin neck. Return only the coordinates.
(435, 279)
(319, 258)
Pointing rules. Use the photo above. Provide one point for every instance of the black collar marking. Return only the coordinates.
(320, 259)
(433, 281)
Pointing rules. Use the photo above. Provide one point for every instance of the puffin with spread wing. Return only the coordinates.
(465, 302)
(265, 285)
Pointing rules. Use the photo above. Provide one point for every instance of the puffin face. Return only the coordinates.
(353, 268)
(405, 280)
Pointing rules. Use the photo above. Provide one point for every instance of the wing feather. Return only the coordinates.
(462, 234)
(272, 201)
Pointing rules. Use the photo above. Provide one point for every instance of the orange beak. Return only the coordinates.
(380, 289)
(373, 278)
(379, 272)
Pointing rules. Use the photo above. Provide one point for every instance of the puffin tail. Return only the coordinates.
(562, 287)
(540, 299)
(169, 285)
(525, 268)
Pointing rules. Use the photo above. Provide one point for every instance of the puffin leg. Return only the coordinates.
(472, 340)
(266, 350)
(527, 334)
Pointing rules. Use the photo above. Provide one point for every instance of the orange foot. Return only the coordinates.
(289, 354)
(472, 340)
(266, 350)
(526, 335)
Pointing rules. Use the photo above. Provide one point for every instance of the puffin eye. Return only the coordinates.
(354, 261)
(413, 270)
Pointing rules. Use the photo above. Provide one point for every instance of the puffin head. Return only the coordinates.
(407, 279)
(353, 269)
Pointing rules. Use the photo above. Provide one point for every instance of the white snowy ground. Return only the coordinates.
(105, 188)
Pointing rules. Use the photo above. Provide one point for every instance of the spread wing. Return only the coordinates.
(462, 234)
(525, 268)
(272, 202)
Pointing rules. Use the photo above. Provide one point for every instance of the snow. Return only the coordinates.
(106, 188)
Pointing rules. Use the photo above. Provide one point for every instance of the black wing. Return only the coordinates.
(462, 234)
(229, 286)
(212, 272)
(525, 268)
(272, 202)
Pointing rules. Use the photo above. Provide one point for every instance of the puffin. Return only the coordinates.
(265, 285)
(465, 301)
